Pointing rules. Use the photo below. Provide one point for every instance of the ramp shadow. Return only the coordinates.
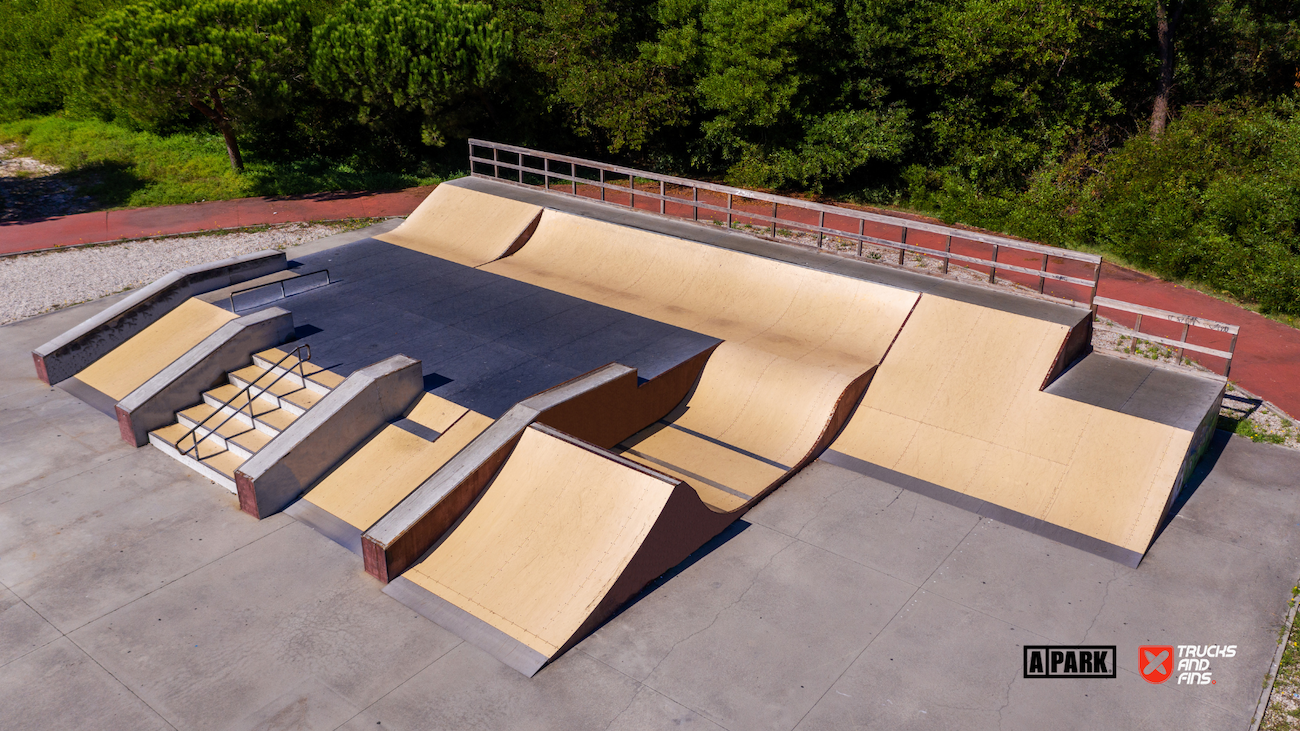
(1204, 467)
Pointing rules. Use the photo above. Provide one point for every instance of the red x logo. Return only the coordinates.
(1156, 662)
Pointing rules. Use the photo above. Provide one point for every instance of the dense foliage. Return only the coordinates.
(1161, 132)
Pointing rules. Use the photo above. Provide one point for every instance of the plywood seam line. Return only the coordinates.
(1141, 512)
(692, 476)
(1073, 453)
(725, 445)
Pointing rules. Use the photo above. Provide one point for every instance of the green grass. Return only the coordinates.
(120, 167)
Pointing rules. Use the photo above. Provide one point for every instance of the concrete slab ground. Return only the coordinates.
(135, 595)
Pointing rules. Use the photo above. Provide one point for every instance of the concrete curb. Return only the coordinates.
(69, 353)
(316, 441)
(154, 404)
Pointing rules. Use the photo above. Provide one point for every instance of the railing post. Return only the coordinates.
(546, 173)
(695, 201)
(821, 224)
(728, 210)
(573, 177)
(993, 268)
(1186, 326)
(862, 231)
(663, 203)
(1232, 351)
(602, 184)
(1137, 328)
(1042, 268)
(520, 156)
(947, 249)
(773, 220)
(496, 167)
(901, 251)
(631, 194)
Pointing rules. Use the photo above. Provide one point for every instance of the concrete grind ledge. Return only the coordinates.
(69, 353)
(180, 385)
(318, 440)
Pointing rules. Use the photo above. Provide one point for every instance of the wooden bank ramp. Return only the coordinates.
(386, 468)
(565, 534)
(957, 410)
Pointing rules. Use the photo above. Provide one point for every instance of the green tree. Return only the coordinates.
(428, 57)
(213, 55)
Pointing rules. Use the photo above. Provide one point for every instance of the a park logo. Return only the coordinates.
(1069, 661)
(1156, 662)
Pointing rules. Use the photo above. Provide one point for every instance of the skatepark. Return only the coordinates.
(525, 444)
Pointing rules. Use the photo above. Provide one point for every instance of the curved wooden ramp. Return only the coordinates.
(465, 226)
(563, 536)
(958, 404)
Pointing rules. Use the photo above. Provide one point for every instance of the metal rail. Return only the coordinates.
(569, 171)
(302, 373)
(1187, 321)
(281, 282)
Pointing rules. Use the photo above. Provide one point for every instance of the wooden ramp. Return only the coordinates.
(800, 345)
(565, 534)
(958, 404)
(465, 226)
(129, 365)
(386, 468)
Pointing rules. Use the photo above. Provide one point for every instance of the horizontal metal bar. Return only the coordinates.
(1166, 315)
(1163, 341)
(812, 229)
(782, 200)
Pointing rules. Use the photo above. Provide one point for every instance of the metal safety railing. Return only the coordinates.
(842, 231)
(193, 435)
(1188, 322)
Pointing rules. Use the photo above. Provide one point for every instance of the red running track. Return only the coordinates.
(136, 223)
(1267, 359)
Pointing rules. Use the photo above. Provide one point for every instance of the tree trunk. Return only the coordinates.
(217, 114)
(1166, 27)
(232, 145)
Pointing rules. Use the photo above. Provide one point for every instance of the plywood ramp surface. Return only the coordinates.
(394, 462)
(464, 226)
(957, 403)
(130, 364)
(753, 417)
(546, 542)
(803, 315)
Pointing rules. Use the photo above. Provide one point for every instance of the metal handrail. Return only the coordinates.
(280, 282)
(302, 373)
(820, 229)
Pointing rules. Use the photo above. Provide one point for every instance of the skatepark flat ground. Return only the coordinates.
(135, 595)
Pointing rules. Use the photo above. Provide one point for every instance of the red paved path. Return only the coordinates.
(104, 226)
(1267, 359)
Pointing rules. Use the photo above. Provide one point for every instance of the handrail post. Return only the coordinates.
(546, 173)
(947, 249)
(1042, 268)
(728, 210)
(901, 251)
(602, 184)
(774, 220)
(1137, 328)
(862, 231)
(993, 267)
(573, 170)
(496, 160)
(1186, 327)
(663, 203)
(1232, 351)
(821, 225)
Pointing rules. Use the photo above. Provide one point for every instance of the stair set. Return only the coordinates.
(236, 420)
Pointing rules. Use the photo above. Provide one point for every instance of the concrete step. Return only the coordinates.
(211, 460)
(318, 379)
(286, 394)
(235, 434)
(267, 416)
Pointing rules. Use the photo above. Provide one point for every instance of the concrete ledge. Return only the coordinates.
(86, 343)
(180, 385)
(602, 407)
(315, 442)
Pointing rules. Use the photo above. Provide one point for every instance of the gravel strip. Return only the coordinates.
(32, 284)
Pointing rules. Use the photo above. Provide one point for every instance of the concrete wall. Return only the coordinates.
(319, 439)
(180, 385)
(66, 355)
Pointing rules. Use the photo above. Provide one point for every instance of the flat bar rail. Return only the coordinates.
(487, 156)
(192, 433)
(1187, 321)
